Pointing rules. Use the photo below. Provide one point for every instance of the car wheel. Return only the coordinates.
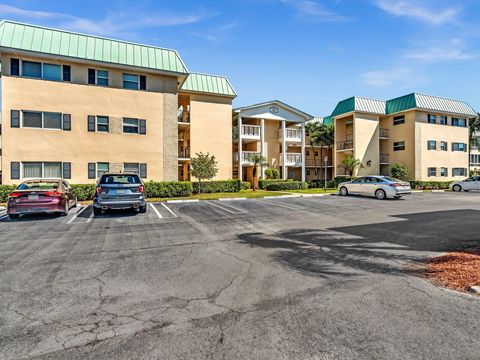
(343, 191)
(97, 211)
(65, 211)
(13, 216)
(457, 188)
(142, 209)
(397, 197)
(380, 194)
(75, 203)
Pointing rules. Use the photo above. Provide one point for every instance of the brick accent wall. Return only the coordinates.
(116, 125)
(170, 137)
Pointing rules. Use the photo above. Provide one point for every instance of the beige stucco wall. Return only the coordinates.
(272, 143)
(366, 144)
(211, 130)
(79, 146)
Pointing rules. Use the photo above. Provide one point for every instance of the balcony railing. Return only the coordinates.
(292, 159)
(251, 131)
(246, 157)
(345, 145)
(384, 133)
(183, 152)
(384, 159)
(183, 116)
(292, 135)
(320, 162)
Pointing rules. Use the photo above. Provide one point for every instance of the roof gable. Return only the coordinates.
(209, 84)
(284, 111)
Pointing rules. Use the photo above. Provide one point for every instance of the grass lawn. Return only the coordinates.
(215, 196)
(314, 191)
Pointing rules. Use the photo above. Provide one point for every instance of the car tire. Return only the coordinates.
(75, 203)
(142, 209)
(343, 191)
(457, 188)
(397, 197)
(380, 194)
(97, 211)
(13, 216)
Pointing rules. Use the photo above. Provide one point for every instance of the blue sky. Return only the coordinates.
(308, 53)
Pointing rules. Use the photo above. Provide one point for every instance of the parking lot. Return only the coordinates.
(280, 278)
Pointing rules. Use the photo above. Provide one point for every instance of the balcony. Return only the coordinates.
(320, 163)
(291, 135)
(384, 134)
(249, 133)
(384, 160)
(345, 145)
(246, 157)
(183, 153)
(183, 116)
(292, 159)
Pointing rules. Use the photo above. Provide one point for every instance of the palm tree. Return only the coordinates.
(257, 160)
(313, 130)
(326, 138)
(350, 164)
(320, 135)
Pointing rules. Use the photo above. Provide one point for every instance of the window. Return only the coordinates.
(102, 168)
(32, 69)
(15, 67)
(444, 171)
(459, 172)
(474, 159)
(459, 122)
(45, 71)
(98, 77)
(316, 153)
(44, 170)
(131, 168)
(308, 172)
(134, 82)
(432, 119)
(45, 120)
(443, 146)
(32, 170)
(134, 126)
(52, 72)
(397, 120)
(399, 146)
(307, 153)
(431, 145)
(67, 73)
(432, 171)
(443, 120)
(102, 123)
(459, 147)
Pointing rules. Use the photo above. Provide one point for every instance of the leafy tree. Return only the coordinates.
(474, 125)
(257, 160)
(399, 171)
(350, 164)
(203, 167)
(320, 135)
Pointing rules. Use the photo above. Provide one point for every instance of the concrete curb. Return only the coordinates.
(181, 201)
(282, 196)
(232, 199)
(314, 195)
(475, 289)
(417, 191)
(437, 191)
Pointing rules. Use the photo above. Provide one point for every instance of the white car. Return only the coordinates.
(472, 183)
(381, 187)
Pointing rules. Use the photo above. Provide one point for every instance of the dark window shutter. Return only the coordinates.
(15, 67)
(91, 122)
(67, 122)
(15, 118)
(464, 147)
(14, 170)
(67, 73)
(67, 170)
(143, 82)
(91, 170)
(142, 125)
(91, 76)
(143, 171)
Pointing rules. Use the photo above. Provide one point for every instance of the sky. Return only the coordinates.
(307, 53)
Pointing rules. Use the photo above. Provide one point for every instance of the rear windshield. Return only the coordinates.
(120, 179)
(38, 185)
(391, 179)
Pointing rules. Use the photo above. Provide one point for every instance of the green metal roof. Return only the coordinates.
(359, 104)
(32, 38)
(328, 120)
(210, 84)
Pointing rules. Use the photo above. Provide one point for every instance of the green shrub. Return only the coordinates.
(399, 171)
(246, 185)
(429, 185)
(262, 184)
(287, 185)
(339, 179)
(217, 186)
(272, 173)
(4, 191)
(84, 191)
(168, 189)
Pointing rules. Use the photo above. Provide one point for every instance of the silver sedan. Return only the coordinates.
(472, 183)
(381, 187)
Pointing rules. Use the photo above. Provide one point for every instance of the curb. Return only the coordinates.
(437, 191)
(232, 199)
(281, 196)
(475, 289)
(181, 201)
(314, 195)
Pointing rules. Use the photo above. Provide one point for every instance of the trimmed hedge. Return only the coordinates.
(318, 184)
(287, 185)
(166, 189)
(339, 179)
(84, 191)
(217, 186)
(246, 185)
(429, 185)
(262, 184)
(4, 191)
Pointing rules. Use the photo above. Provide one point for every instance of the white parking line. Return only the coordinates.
(226, 208)
(291, 207)
(3, 216)
(90, 217)
(156, 211)
(77, 214)
(169, 210)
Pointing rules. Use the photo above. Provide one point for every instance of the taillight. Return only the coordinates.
(53, 193)
(141, 188)
(14, 194)
(99, 189)
(395, 185)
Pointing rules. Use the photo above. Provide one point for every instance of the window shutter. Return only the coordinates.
(91, 170)
(14, 170)
(142, 124)
(464, 147)
(91, 77)
(15, 118)
(143, 82)
(67, 170)
(67, 73)
(91, 122)
(67, 122)
(15, 67)
(143, 171)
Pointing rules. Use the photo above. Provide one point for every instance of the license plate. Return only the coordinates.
(120, 191)
(32, 197)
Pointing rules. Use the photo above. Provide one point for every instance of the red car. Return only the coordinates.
(41, 196)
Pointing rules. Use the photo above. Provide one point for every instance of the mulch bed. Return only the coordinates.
(457, 270)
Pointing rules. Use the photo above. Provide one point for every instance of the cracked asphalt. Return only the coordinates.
(287, 278)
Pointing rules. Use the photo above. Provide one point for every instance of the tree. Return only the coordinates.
(203, 167)
(313, 130)
(350, 164)
(399, 171)
(257, 160)
(474, 126)
(320, 135)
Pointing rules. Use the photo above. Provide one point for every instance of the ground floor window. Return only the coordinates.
(102, 168)
(43, 170)
(432, 171)
(131, 168)
(459, 172)
(443, 171)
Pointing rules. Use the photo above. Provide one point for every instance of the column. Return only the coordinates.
(303, 151)
(284, 152)
(240, 169)
(262, 146)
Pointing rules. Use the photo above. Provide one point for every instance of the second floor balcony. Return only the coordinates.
(246, 157)
(384, 133)
(183, 116)
(183, 152)
(384, 160)
(345, 145)
(291, 135)
(292, 159)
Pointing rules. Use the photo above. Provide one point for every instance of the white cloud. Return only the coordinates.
(401, 77)
(219, 34)
(453, 50)
(433, 15)
(311, 10)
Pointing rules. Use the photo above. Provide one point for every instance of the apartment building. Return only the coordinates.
(475, 152)
(427, 134)
(273, 130)
(76, 106)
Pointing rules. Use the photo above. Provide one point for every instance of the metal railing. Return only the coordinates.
(293, 159)
(345, 145)
(291, 134)
(384, 133)
(183, 152)
(384, 159)
(246, 157)
(183, 116)
(320, 162)
(251, 130)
